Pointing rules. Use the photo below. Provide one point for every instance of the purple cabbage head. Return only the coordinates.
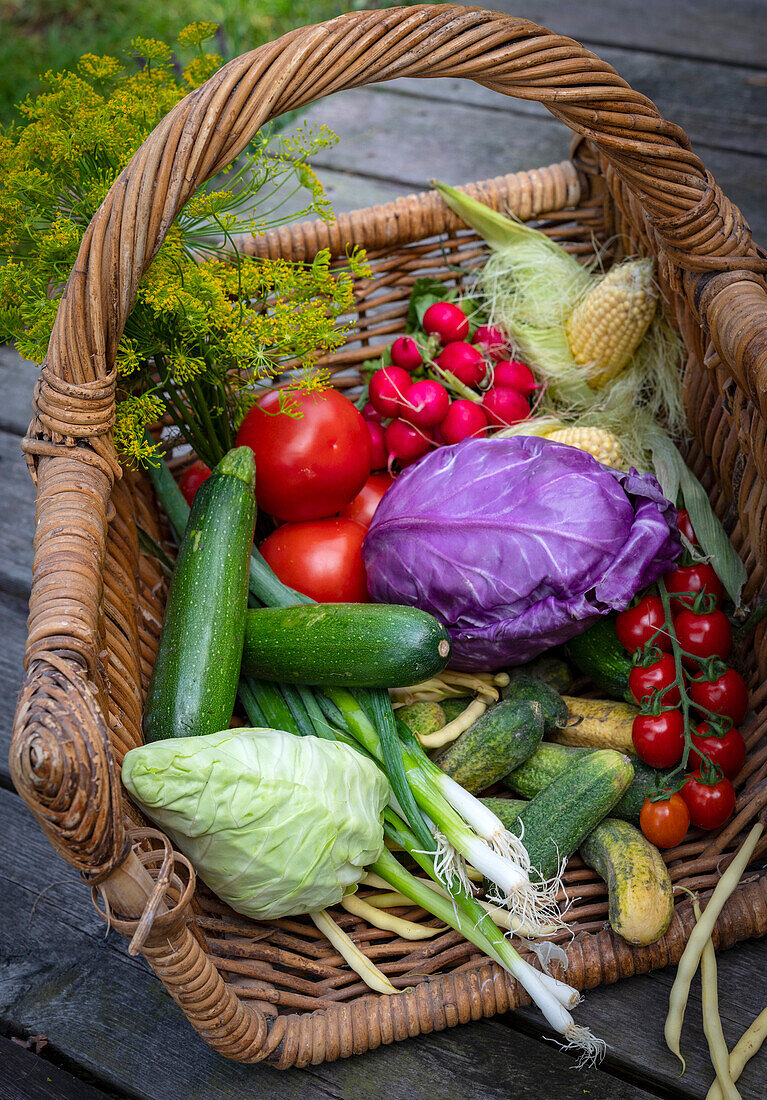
(517, 544)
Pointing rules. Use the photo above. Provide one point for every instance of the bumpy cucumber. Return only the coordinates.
(509, 731)
(641, 899)
(598, 654)
(552, 670)
(454, 706)
(194, 681)
(340, 644)
(549, 761)
(422, 718)
(597, 724)
(561, 816)
(534, 689)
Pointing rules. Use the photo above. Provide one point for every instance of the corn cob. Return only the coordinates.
(606, 328)
(603, 445)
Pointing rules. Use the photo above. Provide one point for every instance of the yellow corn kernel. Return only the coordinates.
(603, 445)
(606, 328)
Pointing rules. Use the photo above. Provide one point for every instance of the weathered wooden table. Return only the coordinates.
(110, 1027)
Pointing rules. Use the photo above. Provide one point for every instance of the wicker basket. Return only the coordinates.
(276, 991)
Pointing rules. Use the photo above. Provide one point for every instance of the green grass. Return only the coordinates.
(39, 35)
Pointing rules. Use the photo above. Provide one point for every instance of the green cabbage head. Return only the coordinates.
(274, 824)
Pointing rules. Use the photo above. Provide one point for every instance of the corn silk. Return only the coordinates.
(517, 544)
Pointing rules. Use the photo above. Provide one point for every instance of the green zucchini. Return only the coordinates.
(194, 680)
(563, 814)
(509, 731)
(641, 898)
(598, 654)
(534, 689)
(550, 760)
(341, 644)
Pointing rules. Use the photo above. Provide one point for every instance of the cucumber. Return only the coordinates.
(341, 644)
(552, 670)
(548, 761)
(422, 718)
(598, 724)
(194, 680)
(509, 731)
(561, 816)
(534, 689)
(454, 705)
(598, 654)
(641, 899)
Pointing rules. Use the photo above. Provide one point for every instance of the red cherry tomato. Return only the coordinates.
(192, 478)
(683, 521)
(636, 625)
(727, 695)
(708, 635)
(699, 577)
(655, 679)
(659, 738)
(363, 506)
(307, 466)
(665, 823)
(710, 805)
(321, 558)
(447, 321)
(728, 752)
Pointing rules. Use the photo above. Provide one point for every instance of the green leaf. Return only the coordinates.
(711, 535)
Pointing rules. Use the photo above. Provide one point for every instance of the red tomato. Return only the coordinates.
(636, 625)
(699, 577)
(708, 635)
(655, 680)
(710, 805)
(363, 506)
(727, 695)
(683, 521)
(192, 478)
(321, 558)
(728, 752)
(307, 466)
(659, 738)
(665, 823)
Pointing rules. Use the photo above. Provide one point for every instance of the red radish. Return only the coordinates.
(464, 361)
(406, 443)
(491, 340)
(405, 353)
(504, 407)
(513, 375)
(378, 455)
(388, 387)
(447, 321)
(370, 412)
(464, 419)
(428, 403)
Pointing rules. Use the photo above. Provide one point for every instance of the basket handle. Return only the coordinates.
(69, 443)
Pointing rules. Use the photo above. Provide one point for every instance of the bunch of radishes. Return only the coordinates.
(480, 388)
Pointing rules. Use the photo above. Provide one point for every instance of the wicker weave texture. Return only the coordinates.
(97, 603)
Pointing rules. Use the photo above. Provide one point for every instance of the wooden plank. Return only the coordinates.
(718, 106)
(13, 631)
(107, 1013)
(413, 139)
(734, 32)
(26, 1076)
(17, 517)
(17, 379)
